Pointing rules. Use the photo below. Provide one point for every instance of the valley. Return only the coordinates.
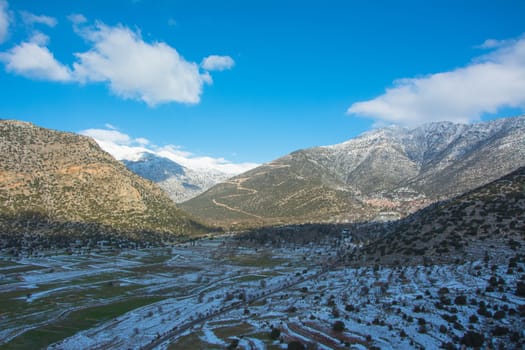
(121, 266)
(262, 175)
(224, 293)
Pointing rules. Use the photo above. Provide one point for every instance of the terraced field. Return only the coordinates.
(215, 294)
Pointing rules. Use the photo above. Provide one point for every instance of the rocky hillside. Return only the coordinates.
(179, 182)
(57, 183)
(383, 174)
(486, 222)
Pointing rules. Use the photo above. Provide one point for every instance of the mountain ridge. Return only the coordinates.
(179, 182)
(389, 172)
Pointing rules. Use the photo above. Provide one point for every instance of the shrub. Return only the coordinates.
(444, 300)
(521, 309)
(520, 289)
(349, 308)
(460, 300)
(295, 345)
(338, 326)
(443, 291)
(233, 344)
(473, 339)
(498, 315)
(458, 326)
(448, 346)
(275, 333)
(473, 319)
(484, 312)
(500, 331)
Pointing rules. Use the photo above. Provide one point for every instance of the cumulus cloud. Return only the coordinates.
(4, 20)
(124, 147)
(490, 82)
(30, 19)
(33, 59)
(219, 63)
(154, 73)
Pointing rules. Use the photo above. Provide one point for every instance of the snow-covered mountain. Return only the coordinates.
(179, 182)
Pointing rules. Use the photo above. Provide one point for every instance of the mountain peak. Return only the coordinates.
(179, 182)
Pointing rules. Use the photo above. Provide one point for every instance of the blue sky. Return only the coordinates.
(281, 75)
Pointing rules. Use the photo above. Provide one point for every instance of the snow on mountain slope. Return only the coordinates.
(179, 173)
(179, 182)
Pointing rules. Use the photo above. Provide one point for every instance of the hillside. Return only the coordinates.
(487, 221)
(62, 184)
(383, 174)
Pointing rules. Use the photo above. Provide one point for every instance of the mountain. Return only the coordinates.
(58, 184)
(179, 182)
(486, 221)
(383, 174)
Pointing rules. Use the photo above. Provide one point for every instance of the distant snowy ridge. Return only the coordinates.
(179, 182)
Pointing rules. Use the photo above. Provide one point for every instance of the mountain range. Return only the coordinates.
(62, 184)
(383, 174)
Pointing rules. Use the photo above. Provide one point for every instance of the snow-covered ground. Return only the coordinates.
(216, 294)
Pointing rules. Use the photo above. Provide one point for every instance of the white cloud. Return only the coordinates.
(111, 135)
(154, 73)
(33, 60)
(30, 19)
(142, 141)
(219, 63)
(194, 162)
(489, 44)
(124, 147)
(492, 81)
(39, 38)
(77, 18)
(4, 20)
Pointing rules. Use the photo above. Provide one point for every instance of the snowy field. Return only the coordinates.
(216, 294)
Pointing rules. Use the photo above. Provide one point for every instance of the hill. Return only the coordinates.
(488, 222)
(62, 185)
